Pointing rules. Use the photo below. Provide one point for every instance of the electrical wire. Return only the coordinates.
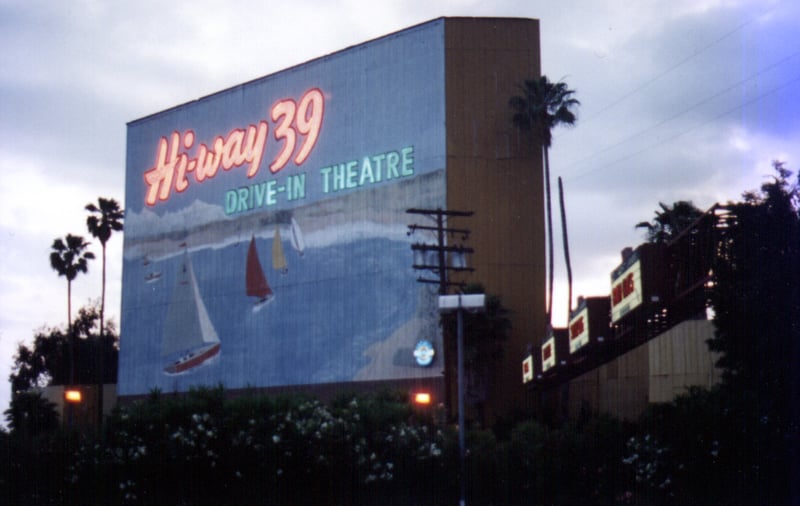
(684, 132)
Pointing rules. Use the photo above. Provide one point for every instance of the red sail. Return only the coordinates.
(257, 285)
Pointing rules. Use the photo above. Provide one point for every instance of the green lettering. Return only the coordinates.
(352, 174)
(244, 193)
(259, 190)
(271, 193)
(407, 167)
(392, 160)
(325, 172)
(366, 172)
(230, 202)
(378, 159)
(338, 177)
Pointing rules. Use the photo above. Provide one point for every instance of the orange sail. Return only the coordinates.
(257, 285)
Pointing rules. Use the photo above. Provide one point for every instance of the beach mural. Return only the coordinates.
(265, 240)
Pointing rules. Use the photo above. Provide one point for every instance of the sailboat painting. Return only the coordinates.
(255, 281)
(151, 276)
(278, 256)
(298, 243)
(189, 339)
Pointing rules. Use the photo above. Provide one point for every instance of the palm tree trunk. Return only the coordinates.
(99, 353)
(566, 247)
(70, 335)
(549, 236)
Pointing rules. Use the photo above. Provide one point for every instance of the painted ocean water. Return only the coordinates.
(333, 304)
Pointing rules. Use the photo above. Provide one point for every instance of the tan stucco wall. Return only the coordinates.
(657, 371)
(492, 171)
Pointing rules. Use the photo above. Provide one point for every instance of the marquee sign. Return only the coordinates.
(549, 354)
(579, 330)
(527, 369)
(626, 288)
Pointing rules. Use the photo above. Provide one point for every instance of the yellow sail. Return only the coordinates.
(278, 257)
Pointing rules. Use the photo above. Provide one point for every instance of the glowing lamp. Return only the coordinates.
(422, 398)
(72, 395)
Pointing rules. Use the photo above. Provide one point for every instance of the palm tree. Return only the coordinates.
(105, 217)
(542, 106)
(69, 259)
(670, 221)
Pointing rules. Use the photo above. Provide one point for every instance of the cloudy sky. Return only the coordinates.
(681, 100)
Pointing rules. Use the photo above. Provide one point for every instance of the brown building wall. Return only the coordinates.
(492, 171)
(657, 371)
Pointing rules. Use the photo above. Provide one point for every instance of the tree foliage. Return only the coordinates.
(69, 257)
(106, 217)
(46, 361)
(669, 222)
(29, 415)
(542, 106)
(756, 299)
(484, 334)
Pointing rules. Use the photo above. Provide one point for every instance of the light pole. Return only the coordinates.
(458, 303)
(448, 303)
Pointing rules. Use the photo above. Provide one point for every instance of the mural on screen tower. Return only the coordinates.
(265, 240)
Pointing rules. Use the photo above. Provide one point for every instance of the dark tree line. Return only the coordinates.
(738, 442)
(757, 304)
(47, 360)
(86, 353)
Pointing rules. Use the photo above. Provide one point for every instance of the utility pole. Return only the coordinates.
(440, 266)
(448, 303)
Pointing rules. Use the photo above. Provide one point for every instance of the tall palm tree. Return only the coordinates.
(69, 258)
(104, 218)
(542, 106)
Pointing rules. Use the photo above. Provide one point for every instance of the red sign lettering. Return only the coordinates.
(622, 289)
(241, 146)
(576, 328)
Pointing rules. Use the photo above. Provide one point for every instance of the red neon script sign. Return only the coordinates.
(240, 147)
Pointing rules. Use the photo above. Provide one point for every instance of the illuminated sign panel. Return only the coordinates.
(265, 238)
(579, 330)
(626, 289)
(549, 354)
(527, 369)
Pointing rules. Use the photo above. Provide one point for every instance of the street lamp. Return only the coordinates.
(73, 395)
(458, 303)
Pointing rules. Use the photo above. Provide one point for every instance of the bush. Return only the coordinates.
(205, 448)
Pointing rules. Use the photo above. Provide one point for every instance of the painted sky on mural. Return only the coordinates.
(692, 101)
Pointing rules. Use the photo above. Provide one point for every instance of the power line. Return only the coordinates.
(673, 67)
(669, 139)
(684, 111)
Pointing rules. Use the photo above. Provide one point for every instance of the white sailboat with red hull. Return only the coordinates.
(189, 336)
(255, 279)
